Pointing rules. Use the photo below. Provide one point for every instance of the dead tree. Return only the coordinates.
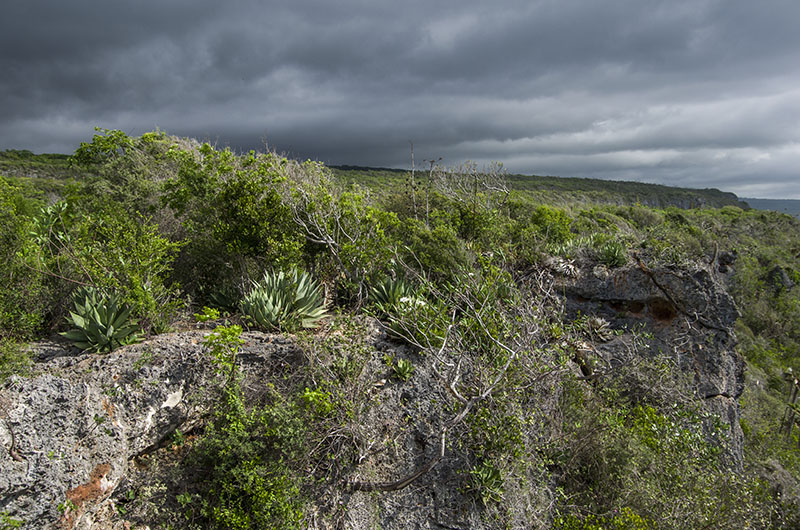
(480, 190)
(487, 333)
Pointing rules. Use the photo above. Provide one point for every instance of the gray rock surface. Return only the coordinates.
(84, 425)
(77, 425)
(72, 434)
(688, 316)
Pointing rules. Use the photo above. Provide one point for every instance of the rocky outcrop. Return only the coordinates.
(92, 429)
(685, 313)
(778, 278)
(73, 434)
(76, 427)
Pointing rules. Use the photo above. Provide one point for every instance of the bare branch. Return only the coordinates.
(472, 307)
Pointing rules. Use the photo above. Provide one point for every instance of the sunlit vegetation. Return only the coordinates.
(148, 230)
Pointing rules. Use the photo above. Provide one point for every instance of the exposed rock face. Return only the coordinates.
(82, 427)
(690, 317)
(71, 434)
(76, 426)
(779, 279)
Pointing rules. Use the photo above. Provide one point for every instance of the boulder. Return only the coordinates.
(687, 315)
(77, 425)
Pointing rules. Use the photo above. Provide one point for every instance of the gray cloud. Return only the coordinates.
(686, 92)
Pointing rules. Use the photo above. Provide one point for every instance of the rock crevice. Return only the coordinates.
(72, 433)
(689, 317)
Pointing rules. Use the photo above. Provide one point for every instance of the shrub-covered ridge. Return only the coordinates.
(515, 392)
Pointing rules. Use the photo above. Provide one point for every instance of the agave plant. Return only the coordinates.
(613, 254)
(388, 295)
(403, 369)
(102, 322)
(285, 301)
(600, 328)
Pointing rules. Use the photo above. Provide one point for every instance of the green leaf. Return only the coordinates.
(101, 322)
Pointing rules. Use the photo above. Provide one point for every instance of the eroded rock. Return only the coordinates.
(687, 315)
(77, 425)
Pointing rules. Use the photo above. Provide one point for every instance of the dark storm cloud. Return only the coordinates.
(685, 92)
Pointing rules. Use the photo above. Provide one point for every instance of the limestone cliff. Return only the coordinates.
(688, 316)
(76, 435)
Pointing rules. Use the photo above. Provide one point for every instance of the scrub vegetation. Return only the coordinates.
(130, 235)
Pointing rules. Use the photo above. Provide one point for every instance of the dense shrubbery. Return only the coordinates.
(246, 479)
(23, 292)
(661, 462)
(90, 242)
(156, 225)
(232, 216)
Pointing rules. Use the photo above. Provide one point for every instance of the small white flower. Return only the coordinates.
(410, 300)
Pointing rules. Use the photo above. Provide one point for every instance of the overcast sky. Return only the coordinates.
(698, 93)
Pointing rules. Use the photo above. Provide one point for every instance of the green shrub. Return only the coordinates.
(348, 234)
(233, 216)
(663, 460)
(598, 220)
(246, 482)
(13, 359)
(251, 218)
(626, 519)
(223, 345)
(244, 479)
(552, 223)
(102, 322)
(24, 294)
(436, 251)
(497, 431)
(207, 314)
(419, 322)
(318, 401)
(642, 217)
(285, 301)
(124, 169)
(487, 482)
(89, 241)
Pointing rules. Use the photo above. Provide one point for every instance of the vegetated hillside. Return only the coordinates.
(50, 172)
(40, 174)
(24, 163)
(248, 341)
(560, 190)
